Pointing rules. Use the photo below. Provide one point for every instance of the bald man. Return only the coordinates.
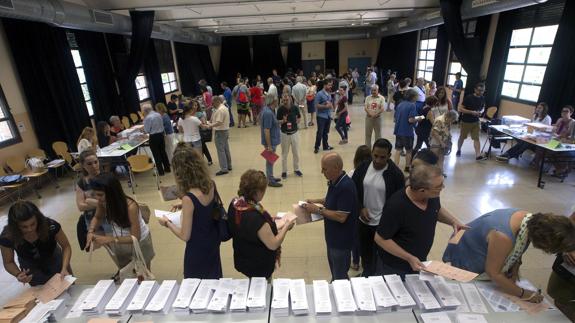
(340, 212)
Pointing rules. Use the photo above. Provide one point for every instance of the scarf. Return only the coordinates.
(521, 244)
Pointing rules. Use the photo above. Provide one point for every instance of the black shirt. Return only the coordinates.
(475, 103)
(410, 227)
(39, 251)
(424, 126)
(341, 196)
(251, 256)
(292, 115)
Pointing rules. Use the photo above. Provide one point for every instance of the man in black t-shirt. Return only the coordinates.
(407, 227)
(470, 110)
(288, 116)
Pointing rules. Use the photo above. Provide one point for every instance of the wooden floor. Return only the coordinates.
(472, 188)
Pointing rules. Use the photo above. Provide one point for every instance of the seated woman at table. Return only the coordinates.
(87, 140)
(256, 238)
(541, 115)
(123, 215)
(116, 126)
(40, 243)
(495, 242)
(104, 135)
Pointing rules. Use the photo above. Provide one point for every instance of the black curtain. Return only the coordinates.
(441, 56)
(194, 64)
(558, 88)
(397, 53)
(267, 55)
(49, 80)
(332, 56)
(208, 67)
(496, 71)
(153, 75)
(235, 57)
(99, 71)
(294, 56)
(164, 55)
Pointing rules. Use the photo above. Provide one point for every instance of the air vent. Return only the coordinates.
(102, 17)
(481, 3)
(6, 4)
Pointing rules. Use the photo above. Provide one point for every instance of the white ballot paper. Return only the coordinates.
(76, 310)
(443, 293)
(280, 299)
(221, 298)
(143, 296)
(257, 294)
(185, 294)
(203, 295)
(384, 300)
(298, 297)
(321, 298)
(174, 217)
(458, 293)
(98, 297)
(343, 296)
(470, 318)
(473, 298)
(438, 317)
(240, 295)
(118, 303)
(363, 295)
(163, 298)
(496, 299)
(399, 291)
(421, 293)
(51, 311)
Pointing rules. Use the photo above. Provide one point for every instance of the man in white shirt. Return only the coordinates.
(221, 124)
(373, 109)
(272, 89)
(420, 88)
(298, 92)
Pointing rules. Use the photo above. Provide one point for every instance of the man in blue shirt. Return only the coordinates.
(154, 126)
(456, 89)
(405, 120)
(324, 105)
(270, 136)
(340, 212)
(228, 97)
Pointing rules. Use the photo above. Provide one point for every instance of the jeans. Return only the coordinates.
(372, 125)
(223, 148)
(303, 111)
(455, 102)
(339, 260)
(367, 246)
(231, 115)
(288, 141)
(322, 132)
(518, 149)
(270, 168)
(341, 126)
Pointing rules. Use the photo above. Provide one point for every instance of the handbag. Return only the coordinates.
(206, 135)
(220, 215)
(136, 268)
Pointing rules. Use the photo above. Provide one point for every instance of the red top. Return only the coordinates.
(256, 94)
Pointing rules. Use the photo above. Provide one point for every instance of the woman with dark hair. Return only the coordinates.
(199, 229)
(42, 247)
(495, 242)
(103, 134)
(424, 125)
(310, 98)
(202, 115)
(85, 201)
(256, 238)
(444, 103)
(123, 215)
(398, 96)
(189, 126)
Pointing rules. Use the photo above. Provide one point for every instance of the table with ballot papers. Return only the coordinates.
(423, 297)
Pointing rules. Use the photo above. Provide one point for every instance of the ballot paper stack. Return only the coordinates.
(399, 292)
(437, 317)
(76, 310)
(443, 293)
(298, 297)
(470, 318)
(52, 311)
(421, 294)
(203, 295)
(142, 296)
(321, 298)
(384, 300)
(343, 296)
(280, 299)
(257, 294)
(363, 295)
(98, 298)
(240, 295)
(221, 298)
(119, 302)
(163, 298)
(183, 299)
(17, 308)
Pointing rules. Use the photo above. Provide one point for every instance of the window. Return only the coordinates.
(142, 87)
(82, 79)
(426, 53)
(454, 64)
(9, 133)
(527, 59)
(169, 82)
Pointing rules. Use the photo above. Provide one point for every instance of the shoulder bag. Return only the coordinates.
(220, 216)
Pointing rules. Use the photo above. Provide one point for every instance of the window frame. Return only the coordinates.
(173, 82)
(426, 35)
(87, 100)
(9, 119)
(143, 87)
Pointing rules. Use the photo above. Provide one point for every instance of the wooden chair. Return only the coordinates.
(54, 164)
(61, 149)
(126, 122)
(141, 114)
(141, 164)
(17, 187)
(491, 112)
(134, 118)
(17, 165)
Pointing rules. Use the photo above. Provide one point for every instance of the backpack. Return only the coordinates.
(242, 97)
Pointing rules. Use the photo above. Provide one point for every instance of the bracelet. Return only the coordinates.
(522, 293)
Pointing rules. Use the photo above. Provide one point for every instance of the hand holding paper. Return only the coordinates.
(442, 269)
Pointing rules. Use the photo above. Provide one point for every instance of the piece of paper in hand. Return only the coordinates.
(448, 271)
(174, 217)
(54, 287)
(456, 237)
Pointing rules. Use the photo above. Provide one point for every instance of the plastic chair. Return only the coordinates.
(17, 165)
(141, 164)
(54, 164)
(126, 122)
(134, 118)
(141, 114)
(61, 150)
(491, 112)
(17, 186)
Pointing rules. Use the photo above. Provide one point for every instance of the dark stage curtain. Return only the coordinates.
(558, 87)
(267, 55)
(294, 56)
(49, 80)
(397, 53)
(208, 67)
(496, 71)
(235, 58)
(164, 54)
(194, 64)
(332, 56)
(99, 71)
(153, 74)
(441, 56)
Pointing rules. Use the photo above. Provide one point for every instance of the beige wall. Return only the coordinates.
(507, 107)
(313, 50)
(357, 48)
(12, 88)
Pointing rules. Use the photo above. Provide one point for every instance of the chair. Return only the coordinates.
(17, 165)
(126, 122)
(17, 186)
(491, 112)
(54, 164)
(61, 149)
(134, 118)
(141, 114)
(141, 164)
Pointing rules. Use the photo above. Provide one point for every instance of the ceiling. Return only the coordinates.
(244, 17)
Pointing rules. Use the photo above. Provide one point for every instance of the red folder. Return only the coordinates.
(270, 156)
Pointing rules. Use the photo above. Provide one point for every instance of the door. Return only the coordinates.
(361, 63)
(312, 65)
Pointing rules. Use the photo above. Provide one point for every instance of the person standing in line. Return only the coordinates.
(374, 105)
(299, 92)
(352, 86)
(310, 98)
(270, 136)
(423, 128)
(420, 88)
(202, 115)
(341, 114)
(168, 129)
(242, 101)
(289, 117)
(173, 109)
(220, 123)
(190, 127)
(456, 90)
(228, 96)
(154, 126)
(470, 111)
(441, 135)
(256, 98)
(272, 88)
(324, 106)
(405, 119)
(390, 91)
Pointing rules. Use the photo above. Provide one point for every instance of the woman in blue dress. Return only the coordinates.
(198, 227)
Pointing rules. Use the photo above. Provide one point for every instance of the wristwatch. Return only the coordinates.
(320, 210)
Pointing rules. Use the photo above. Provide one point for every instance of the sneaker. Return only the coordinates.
(298, 173)
(315, 150)
(328, 148)
(284, 175)
(502, 158)
(277, 179)
(342, 142)
(274, 184)
(481, 157)
(458, 153)
(221, 173)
